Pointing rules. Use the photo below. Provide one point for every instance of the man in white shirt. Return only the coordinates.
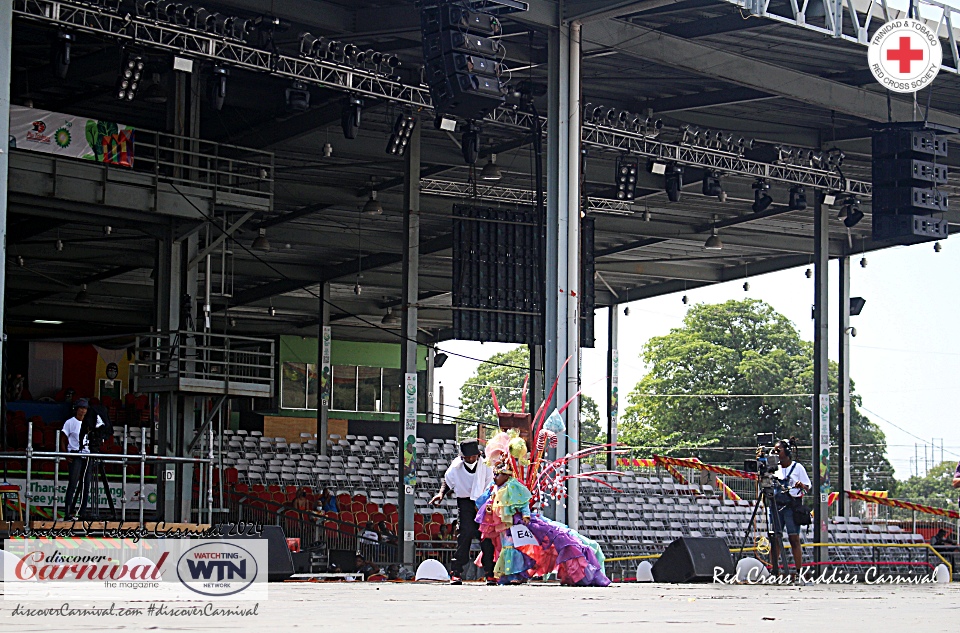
(70, 443)
(467, 478)
(796, 482)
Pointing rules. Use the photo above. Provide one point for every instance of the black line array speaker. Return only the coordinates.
(689, 559)
(497, 275)
(460, 52)
(279, 560)
(588, 293)
(908, 172)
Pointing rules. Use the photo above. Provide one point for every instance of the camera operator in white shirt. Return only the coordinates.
(796, 483)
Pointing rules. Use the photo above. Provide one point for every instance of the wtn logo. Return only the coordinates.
(219, 568)
(204, 569)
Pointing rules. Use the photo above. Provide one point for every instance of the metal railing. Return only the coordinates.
(197, 361)
(192, 162)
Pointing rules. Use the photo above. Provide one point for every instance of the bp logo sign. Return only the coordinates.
(905, 55)
(217, 569)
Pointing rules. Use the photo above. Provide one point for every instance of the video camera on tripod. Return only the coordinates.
(766, 464)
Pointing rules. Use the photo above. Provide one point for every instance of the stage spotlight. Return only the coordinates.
(402, 129)
(470, 144)
(798, 198)
(349, 51)
(218, 87)
(350, 117)
(936, 247)
(829, 199)
(761, 200)
(626, 177)
(673, 182)
(491, 171)
(311, 45)
(297, 97)
(61, 53)
(850, 213)
(712, 186)
(689, 135)
(439, 359)
(204, 20)
(131, 71)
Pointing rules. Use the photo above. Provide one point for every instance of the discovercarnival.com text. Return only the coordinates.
(163, 610)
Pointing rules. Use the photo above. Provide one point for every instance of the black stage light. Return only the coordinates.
(60, 53)
(673, 181)
(218, 87)
(350, 117)
(131, 71)
(470, 144)
(798, 198)
(297, 98)
(712, 186)
(856, 305)
(626, 177)
(402, 129)
(761, 200)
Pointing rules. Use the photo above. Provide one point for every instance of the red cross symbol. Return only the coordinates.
(905, 54)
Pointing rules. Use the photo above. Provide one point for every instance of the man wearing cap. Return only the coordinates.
(467, 478)
(70, 443)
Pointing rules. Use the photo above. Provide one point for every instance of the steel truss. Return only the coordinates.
(859, 14)
(511, 195)
(222, 50)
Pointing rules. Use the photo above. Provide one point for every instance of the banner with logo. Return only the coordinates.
(73, 136)
(42, 493)
(128, 569)
(325, 344)
(410, 432)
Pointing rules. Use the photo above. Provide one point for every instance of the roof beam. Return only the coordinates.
(274, 132)
(705, 27)
(641, 43)
(706, 99)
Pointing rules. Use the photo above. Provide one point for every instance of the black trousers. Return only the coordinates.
(78, 471)
(469, 530)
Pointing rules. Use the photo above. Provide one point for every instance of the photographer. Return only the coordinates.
(795, 482)
(77, 433)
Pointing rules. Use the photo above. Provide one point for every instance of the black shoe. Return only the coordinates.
(456, 580)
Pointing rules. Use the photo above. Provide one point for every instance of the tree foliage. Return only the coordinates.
(933, 489)
(507, 379)
(727, 374)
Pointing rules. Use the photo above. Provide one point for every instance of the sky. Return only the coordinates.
(904, 360)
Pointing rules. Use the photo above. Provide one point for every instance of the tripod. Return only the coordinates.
(95, 457)
(774, 528)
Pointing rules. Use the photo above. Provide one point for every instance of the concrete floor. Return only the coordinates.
(353, 608)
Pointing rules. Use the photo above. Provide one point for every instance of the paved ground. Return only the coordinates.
(357, 607)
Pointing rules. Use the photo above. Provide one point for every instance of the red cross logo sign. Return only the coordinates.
(905, 55)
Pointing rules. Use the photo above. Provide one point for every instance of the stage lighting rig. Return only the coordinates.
(402, 129)
(673, 181)
(218, 87)
(60, 53)
(712, 186)
(761, 199)
(627, 170)
(131, 72)
(350, 117)
(798, 198)
(297, 97)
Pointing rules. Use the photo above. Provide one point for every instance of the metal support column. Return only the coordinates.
(843, 390)
(6, 44)
(555, 313)
(428, 414)
(821, 390)
(613, 374)
(324, 370)
(573, 273)
(408, 346)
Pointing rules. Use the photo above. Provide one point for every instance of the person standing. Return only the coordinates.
(467, 478)
(796, 483)
(70, 442)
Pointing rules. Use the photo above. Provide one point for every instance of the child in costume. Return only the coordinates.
(576, 559)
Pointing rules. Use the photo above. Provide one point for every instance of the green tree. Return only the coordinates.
(699, 394)
(507, 377)
(933, 489)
